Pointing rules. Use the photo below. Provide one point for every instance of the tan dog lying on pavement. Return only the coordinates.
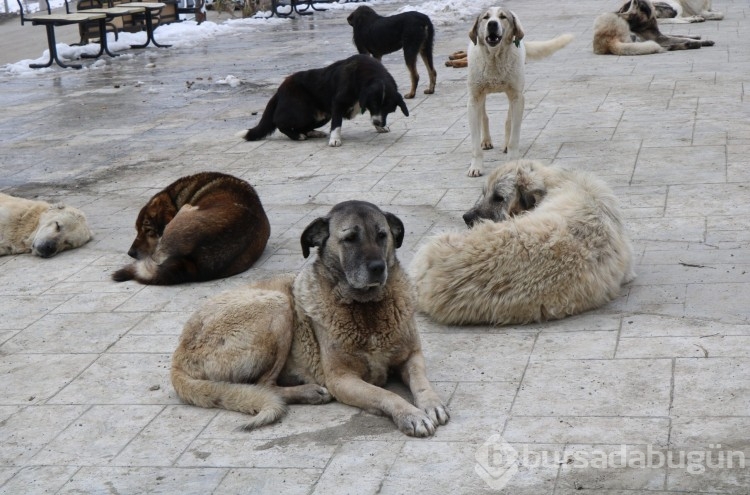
(341, 325)
(544, 243)
(37, 227)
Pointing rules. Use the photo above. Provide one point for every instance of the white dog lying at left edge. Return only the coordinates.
(496, 58)
(37, 227)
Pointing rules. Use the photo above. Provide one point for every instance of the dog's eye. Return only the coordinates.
(498, 198)
(502, 16)
(350, 237)
(58, 228)
(382, 236)
(486, 16)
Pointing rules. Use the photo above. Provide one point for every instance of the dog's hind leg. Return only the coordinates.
(426, 54)
(410, 57)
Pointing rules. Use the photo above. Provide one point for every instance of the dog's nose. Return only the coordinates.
(493, 27)
(46, 249)
(470, 217)
(133, 253)
(376, 268)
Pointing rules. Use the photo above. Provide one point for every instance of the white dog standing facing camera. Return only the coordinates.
(496, 58)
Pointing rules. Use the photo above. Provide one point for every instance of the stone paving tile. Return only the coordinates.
(143, 480)
(595, 387)
(86, 405)
(290, 481)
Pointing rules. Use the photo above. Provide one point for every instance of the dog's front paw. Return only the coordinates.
(474, 171)
(409, 95)
(487, 144)
(317, 395)
(437, 413)
(707, 43)
(335, 139)
(382, 129)
(415, 424)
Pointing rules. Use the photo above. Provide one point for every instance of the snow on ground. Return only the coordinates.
(189, 33)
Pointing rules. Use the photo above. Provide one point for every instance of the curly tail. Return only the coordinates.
(266, 126)
(264, 404)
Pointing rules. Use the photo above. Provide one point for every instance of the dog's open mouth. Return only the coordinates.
(493, 39)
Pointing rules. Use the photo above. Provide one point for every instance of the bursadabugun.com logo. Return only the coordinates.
(498, 461)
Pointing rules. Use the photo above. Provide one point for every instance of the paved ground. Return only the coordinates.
(86, 404)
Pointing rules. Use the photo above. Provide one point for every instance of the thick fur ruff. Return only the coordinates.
(201, 227)
(37, 227)
(567, 254)
(379, 35)
(309, 99)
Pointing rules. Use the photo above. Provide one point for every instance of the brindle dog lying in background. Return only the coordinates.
(641, 18)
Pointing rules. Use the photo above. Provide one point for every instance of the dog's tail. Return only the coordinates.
(266, 406)
(147, 271)
(536, 50)
(617, 47)
(266, 126)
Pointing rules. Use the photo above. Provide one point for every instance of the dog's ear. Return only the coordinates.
(518, 33)
(397, 228)
(530, 198)
(402, 105)
(161, 210)
(474, 33)
(315, 235)
(375, 87)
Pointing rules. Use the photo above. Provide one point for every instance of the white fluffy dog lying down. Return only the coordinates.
(544, 243)
(37, 227)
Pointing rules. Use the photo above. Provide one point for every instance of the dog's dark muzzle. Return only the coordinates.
(376, 272)
(470, 218)
(494, 33)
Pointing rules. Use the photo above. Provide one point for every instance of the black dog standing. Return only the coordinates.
(413, 31)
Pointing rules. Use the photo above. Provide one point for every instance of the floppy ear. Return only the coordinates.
(364, 95)
(530, 198)
(518, 33)
(397, 228)
(646, 9)
(474, 31)
(163, 211)
(402, 106)
(315, 235)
